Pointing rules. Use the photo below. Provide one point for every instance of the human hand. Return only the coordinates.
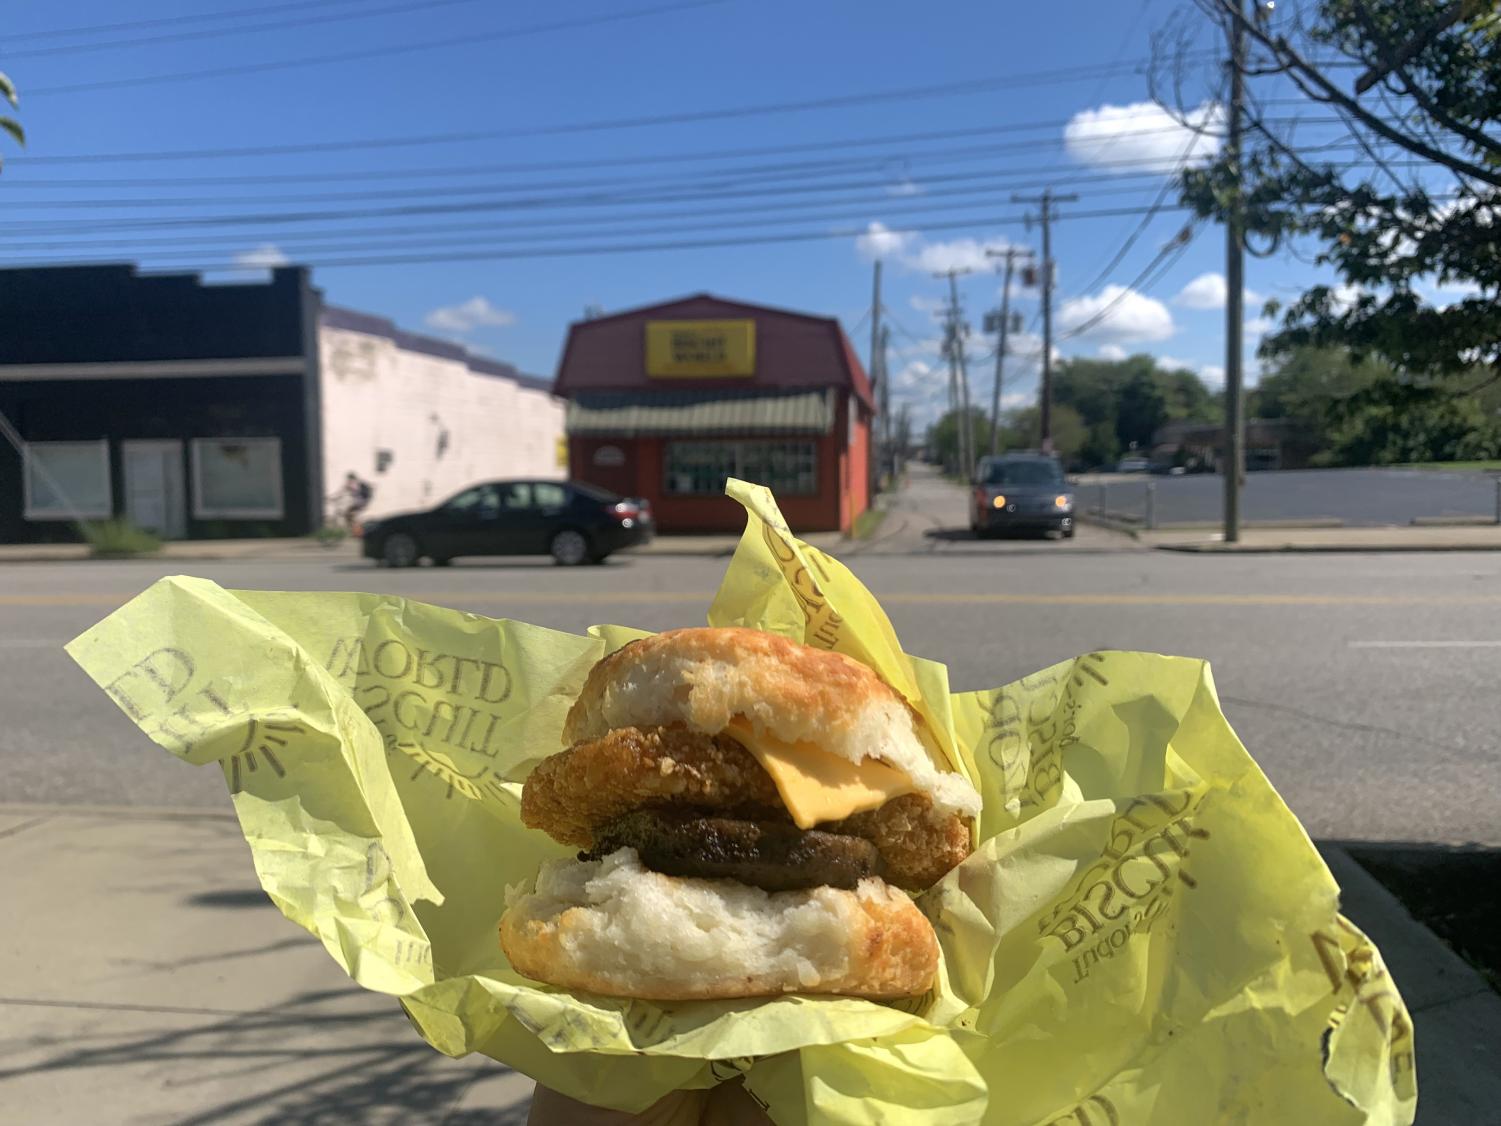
(728, 1104)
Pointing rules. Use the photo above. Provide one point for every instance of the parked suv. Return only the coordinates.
(1021, 491)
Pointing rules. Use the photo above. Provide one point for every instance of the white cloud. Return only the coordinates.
(905, 186)
(1208, 291)
(1259, 326)
(1112, 352)
(469, 315)
(1131, 316)
(267, 256)
(925, 304)
(956, 254)
(1173, 363)
(880, 241)
(1344, 297)
(1212, 374)
(1143, 135)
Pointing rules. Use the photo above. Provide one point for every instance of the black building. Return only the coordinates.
(185, 407)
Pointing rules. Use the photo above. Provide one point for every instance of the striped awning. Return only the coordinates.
(654, 414)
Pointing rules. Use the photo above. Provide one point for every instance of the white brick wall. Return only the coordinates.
(445, 426)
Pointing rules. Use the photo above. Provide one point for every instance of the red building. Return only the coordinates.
(667, 401)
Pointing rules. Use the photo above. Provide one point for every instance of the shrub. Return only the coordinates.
(120, 539)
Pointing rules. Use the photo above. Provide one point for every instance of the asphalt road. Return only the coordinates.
(1365, 685)
(1356, 496)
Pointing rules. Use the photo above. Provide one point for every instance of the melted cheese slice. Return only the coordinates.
(817, 785)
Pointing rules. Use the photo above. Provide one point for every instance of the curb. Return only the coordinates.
(1320, 548)
(1110, 523)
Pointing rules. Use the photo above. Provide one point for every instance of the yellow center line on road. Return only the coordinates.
(910, 598)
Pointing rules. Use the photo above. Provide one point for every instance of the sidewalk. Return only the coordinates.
(153, 977)
(147, 978)
(1260, 540)
(305, 548)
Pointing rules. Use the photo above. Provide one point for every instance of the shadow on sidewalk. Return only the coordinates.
(314, 1061)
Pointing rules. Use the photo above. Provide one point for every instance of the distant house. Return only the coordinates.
(1270, 443)
(668, 401)
(212, 411)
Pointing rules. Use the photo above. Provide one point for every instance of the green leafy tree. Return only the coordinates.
(1070, 435)
(943, 439)
(1418, 209)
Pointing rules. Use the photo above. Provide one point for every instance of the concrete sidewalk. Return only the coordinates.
(1262, 539)
(153, 977)
(147, 978)
(1306, 536)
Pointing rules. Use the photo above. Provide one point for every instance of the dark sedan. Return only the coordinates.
(573, 522)
(1022, 492)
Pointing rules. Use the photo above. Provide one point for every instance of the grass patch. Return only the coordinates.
(1455, 466)
(119, 539)
(868, 523)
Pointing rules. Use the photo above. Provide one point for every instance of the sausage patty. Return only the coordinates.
(572, 795)
(771, 855)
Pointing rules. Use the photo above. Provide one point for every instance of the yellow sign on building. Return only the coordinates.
(693, 349)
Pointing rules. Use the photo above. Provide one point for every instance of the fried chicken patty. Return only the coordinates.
(770, 855)
(571, 795)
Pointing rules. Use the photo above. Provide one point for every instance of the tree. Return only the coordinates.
(1357, 412)
(1419, 205)
(1070, 435)
(9, 124)
(943, 439)
(1123, 401)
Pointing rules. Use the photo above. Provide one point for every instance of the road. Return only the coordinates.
(1364, 684)
(1356, 496)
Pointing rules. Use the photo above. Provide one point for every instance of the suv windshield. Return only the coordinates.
(1037, 472)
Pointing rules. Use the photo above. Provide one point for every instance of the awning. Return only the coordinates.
(654, 414)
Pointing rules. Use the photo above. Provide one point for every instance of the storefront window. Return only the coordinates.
(65, 480)
(700, 468)
(237, 478)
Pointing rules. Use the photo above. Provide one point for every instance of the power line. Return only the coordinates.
(220, 32)
(771, 174)
(1166, 258)
(948, 89)
(500, 254)
(786, 211)
(378, 52)
(518, 203)
(165, 21)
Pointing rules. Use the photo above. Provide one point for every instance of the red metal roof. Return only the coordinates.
(792, 350)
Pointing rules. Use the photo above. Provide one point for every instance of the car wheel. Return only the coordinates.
(569, 548)
(400, 550)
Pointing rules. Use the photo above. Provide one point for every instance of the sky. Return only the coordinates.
(465, 168)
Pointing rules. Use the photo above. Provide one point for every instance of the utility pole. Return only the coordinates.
(1045, 404)
(958, 375)
(1010, 254)
(888, 455)
(878, 380)
(1235, 434)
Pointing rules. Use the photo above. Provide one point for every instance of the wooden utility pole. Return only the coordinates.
(958, 374)
(1010, 254)
(877, 375)
(1235, 288)
(1046, 215)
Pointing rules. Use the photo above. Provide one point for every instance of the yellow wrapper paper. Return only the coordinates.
(1143, 934)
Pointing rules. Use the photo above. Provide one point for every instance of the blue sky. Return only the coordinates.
(1078, 128)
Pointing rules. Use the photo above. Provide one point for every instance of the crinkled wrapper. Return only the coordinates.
(1144, 932)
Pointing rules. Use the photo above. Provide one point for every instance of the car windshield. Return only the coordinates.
(1022, 473)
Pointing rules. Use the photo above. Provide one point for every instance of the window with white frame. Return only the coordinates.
(700, 468)
(67, 480)
(237, 478)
